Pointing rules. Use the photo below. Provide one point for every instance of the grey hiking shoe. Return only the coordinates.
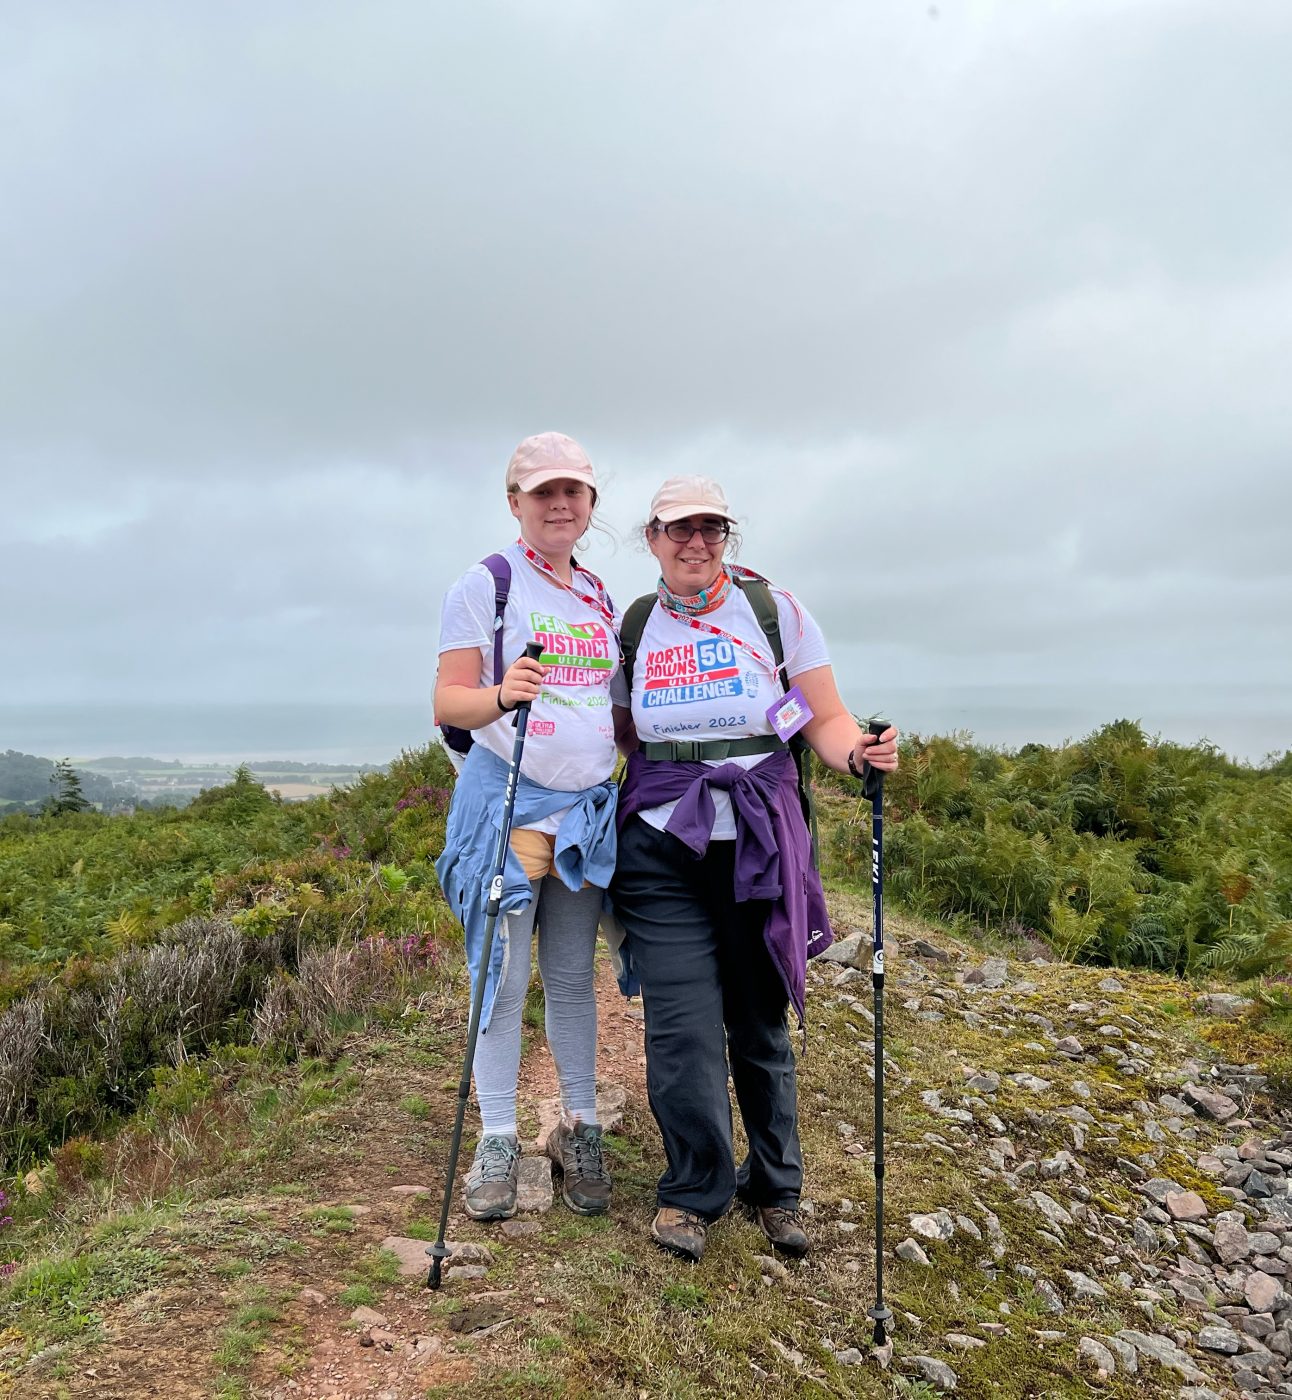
(585, 1183)
(491, 1183)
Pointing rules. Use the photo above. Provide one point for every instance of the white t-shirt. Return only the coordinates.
(570, 737)
(688, 684)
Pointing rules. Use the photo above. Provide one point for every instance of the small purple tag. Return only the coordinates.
(789, 714)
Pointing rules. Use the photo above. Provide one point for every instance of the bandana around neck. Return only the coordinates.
(706, 600)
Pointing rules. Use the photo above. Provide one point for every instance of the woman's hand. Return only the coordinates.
(880, 751)
(521, 682)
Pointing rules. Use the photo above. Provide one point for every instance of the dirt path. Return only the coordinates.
(262, 1286)
(411, 1334)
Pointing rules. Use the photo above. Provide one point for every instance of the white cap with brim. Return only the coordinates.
(681, 496)
(548, 457)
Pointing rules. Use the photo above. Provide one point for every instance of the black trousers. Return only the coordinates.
(710, 990)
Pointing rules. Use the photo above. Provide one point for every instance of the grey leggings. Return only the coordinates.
(567, 935)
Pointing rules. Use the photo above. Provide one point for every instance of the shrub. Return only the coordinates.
(109, 1036)
(1118, 849)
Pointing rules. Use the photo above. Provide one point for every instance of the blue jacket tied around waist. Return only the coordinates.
(585, 851)
(773, 848)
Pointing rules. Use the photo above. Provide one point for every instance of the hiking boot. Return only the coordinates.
(681, 1232)
(491, 1183)
(784, 1227)
(585, 1182)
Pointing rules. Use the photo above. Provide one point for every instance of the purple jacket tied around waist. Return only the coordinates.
(773, 848)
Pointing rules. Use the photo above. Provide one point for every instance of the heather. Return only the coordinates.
(238, 921)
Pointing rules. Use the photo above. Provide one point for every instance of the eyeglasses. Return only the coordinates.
(711, 532)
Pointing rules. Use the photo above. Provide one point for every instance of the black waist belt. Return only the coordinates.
(697, 750)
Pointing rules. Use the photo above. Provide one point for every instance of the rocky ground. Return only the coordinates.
(1211, 1250)
(1082, 1198)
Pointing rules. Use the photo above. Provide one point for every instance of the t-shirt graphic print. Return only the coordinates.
(687, 685)
(582, 653)
(690, 674)
(570, 724)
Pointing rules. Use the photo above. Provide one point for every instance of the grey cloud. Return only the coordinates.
(983, 320)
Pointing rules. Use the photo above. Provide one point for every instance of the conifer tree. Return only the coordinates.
(68, 796)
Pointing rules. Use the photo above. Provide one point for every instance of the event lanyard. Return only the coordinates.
(700, 625)
(541, 564)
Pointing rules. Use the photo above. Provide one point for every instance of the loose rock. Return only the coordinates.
(912, 1253)
(1164, 1351)
(1083, 1286)
(1050, 1209)
(937, 1225)
(1218, 1106)
(1263, 1293)
(937, 1373)
(368, 1317)
(534, 1185)
(1186, 1205)
(1099, 1358)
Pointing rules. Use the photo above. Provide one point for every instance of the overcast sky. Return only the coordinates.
(982, 312)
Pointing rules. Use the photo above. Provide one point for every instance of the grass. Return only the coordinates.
(243, 1339)
(379, 1266)
(619, 1317)
(685, 1296)
(335, 1220)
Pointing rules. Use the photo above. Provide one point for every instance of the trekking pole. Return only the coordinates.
(439, 1250)
(873, 787)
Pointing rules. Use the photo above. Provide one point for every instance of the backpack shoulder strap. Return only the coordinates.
(764, 606)
(500, 569)
(630, 634)
(760, 598)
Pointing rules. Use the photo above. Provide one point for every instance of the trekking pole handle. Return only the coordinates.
(872, 784)
(533, 650)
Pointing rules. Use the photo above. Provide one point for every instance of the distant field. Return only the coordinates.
(296, 791)
(171, 781)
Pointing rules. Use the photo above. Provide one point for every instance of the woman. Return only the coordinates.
(714, 886)
(563, 838)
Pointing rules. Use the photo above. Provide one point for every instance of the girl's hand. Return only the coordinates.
(521, 682)
(880, 751)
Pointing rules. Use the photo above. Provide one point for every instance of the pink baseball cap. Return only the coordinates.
(548, 457)
(681, 496)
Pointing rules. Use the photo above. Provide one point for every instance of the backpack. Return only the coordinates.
(764, 606)
(459, 741)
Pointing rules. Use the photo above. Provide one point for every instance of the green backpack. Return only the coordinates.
(764, 606)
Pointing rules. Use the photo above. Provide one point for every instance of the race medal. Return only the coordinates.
(788, 714)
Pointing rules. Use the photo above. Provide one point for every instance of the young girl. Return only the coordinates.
(563, 836)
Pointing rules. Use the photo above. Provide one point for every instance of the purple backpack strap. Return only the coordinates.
(459, 740)
(500, 568)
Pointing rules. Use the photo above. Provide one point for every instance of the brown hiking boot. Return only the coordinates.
(491, 1183)
(585, 1182)
(784, 1227)
(680, 1232)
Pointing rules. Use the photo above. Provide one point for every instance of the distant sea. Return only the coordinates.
(1245, 722)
